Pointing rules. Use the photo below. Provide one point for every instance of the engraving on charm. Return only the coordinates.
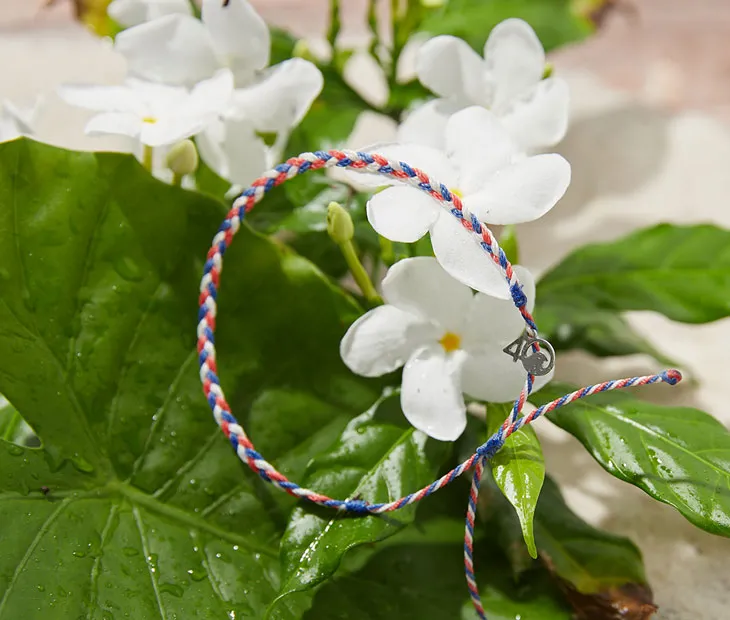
(537, 363)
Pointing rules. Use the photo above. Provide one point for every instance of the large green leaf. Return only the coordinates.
(590, 559)
(148, 513)
(678, 455)
(600, 332)
(601, 574)
(419, 575)
(379, 457)
(682, 272)
(518, 469)
(555, 21)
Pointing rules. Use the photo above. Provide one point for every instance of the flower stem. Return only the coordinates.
(177, 179)
(386, 250)
(147, 157)
(334, 23)
(359, 273)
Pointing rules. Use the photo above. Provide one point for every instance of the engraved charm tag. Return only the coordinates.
(537, 363)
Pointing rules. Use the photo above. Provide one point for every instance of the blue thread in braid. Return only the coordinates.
(502, 259)
(357, 506)
(490, 447)
(518, 295)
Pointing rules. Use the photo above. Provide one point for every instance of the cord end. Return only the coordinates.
(671, 376)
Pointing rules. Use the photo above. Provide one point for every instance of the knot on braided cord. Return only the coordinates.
(358, 506)
(493, 445)
(518, 296)
(671, 376)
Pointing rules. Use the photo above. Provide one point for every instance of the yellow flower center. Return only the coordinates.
(450, 342)
(149, 119)
(458, 193)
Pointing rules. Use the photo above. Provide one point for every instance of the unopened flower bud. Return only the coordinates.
(339, 223)
(302, 50)
(182, 158)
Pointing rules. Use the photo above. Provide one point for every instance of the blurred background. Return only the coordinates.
(649, 141)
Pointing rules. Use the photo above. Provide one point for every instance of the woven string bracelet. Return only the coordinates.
(402, 172)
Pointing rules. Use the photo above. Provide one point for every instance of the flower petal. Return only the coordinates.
(493, 321)
(523, 191)
(175, 49)
(450, 68)
(283, 95)
(431, 393)
(492, 376)
(232, 150)
(540, 119)
(460, 255)
(240, 36)
(134, 12)
(515, 60)
(426, 125)
(102, 98)
(382, 340)
(171, 129)
(479, 145)
(211, 96)
(402, 213)
(421, 287)
(114, 123)
(427, 159)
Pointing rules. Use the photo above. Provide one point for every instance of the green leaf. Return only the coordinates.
(282, 45)
(555, 21)
(99, 271)
(678, 455)
(308, 225)
(518, 469)
(208, 182)
(419, 575)
(601, 574)
(379, 457)
(601, 332)
(682, 272)
(590, 559)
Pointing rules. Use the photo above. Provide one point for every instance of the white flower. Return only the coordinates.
(275, 104)
(508, 81)
(448, 340)
(155, 114)
(133, 12)
(179, 49)
(231, 148)
(486, 169)
(15, 121)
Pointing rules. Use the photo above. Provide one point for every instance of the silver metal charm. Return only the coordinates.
(537, 363)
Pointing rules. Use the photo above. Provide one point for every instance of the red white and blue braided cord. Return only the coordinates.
(402, 172)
